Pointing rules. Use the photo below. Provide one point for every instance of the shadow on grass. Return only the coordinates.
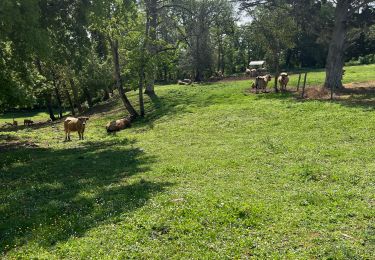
(48, 196)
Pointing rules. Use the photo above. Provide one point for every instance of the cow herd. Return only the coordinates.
(73, 124)
(261, 82)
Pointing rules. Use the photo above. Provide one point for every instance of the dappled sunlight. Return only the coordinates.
(51, 195)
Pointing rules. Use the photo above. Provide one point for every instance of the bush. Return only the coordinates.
(368, 59)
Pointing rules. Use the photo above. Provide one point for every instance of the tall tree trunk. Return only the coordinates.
(152, 7)
(335, 58)
(75, 95)
(88, 96)
(141, 83)
(106, 94)
(49, 107)
(219, 53)
(165, 73)
(277, 70)
(116, 65)
(70, 102)
(198, 74)
(58, 98)
(143, 66)
(48, 96)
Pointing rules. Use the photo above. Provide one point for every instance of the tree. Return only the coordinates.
(344, 12)
(276, 32)
(195, 20)
(114, 19)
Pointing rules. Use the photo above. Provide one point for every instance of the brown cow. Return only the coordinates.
(118, 125)
(28, 122)
(72, 124)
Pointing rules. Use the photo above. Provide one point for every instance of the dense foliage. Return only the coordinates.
(62, 54)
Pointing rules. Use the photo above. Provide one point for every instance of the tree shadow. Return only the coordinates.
(48, 196)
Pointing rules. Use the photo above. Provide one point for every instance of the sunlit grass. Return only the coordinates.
(211, 172)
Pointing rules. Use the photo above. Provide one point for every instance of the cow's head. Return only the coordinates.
(284, 74)
(268, 77)
(83, 119)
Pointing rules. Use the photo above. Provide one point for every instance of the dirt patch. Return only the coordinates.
(359, 88)
(364, 92)
(317, 93)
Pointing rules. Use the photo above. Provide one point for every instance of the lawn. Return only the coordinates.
(19, 116)
(211, 172)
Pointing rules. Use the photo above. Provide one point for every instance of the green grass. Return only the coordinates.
(352, 74)
(37, 116)
(211, 172)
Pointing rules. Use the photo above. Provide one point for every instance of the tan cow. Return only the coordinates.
(251, 72)
(261, 82)
(283, 80)
(72, 124)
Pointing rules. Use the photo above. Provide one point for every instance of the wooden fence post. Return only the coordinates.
(304, 85)
(299, 81)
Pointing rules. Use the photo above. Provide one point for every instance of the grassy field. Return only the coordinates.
(353, 74)
(37, 116)
(210, 173)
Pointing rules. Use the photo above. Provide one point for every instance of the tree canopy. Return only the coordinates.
(72, 54)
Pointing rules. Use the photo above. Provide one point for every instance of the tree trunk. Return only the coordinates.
(198, 74)
(153, 16)
(335, 58)
(141, 82)
(121, 91)
(219, 52)
(143, 67)
(106, 94)
(75, 95)
(88, 96)
(58, 98)
(277, 70)
(49, 107)
(70, 102)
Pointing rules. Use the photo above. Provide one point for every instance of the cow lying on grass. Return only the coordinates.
(72, 124)
(185, 82)
(118, 125)
(283, 80)
(261, 82)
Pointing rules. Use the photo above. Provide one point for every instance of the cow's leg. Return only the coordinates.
(66, 136)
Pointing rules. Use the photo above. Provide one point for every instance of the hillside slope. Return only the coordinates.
(212, 172)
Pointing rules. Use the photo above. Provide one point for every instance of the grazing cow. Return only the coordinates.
(283, 80)
(72, 124)
(118, 125)
(15, 123)
(261, 82)
(28, 122)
